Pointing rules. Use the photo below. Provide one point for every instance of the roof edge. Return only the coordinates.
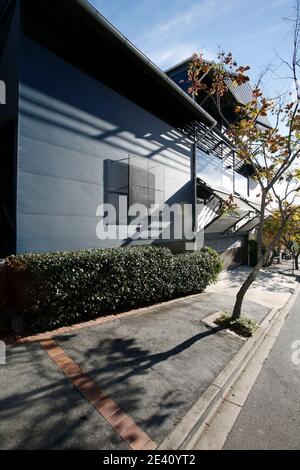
(147, 62)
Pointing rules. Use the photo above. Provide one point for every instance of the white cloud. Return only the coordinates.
(168, 56)
(176, 38)
(202, 11)
(166, 43)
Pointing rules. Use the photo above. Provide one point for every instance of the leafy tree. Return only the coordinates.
(272, 151)
(290, 237)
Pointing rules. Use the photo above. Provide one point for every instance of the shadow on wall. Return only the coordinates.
(136, 134)
(140, 181)
(69, 143)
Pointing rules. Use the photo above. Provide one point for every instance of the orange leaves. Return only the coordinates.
(276, 143)
(197, 69)
(226, 58)
(225, 69)
(269, 150)
(295, 125)
(257, 93)
(229, 207)
(288, 106)
(242, 69)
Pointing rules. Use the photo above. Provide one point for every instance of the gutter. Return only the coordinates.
(148, 63)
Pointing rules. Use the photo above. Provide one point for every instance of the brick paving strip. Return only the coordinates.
(122, 424)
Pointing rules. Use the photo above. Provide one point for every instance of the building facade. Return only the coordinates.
(88, 119)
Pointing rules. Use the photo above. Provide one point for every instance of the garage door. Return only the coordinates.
(231, 249)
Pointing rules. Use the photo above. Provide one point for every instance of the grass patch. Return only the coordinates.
(243, 326)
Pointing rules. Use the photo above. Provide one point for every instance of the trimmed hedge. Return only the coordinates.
(55, 289)
(193, 272)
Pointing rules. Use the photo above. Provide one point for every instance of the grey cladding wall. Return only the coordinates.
(70, 125)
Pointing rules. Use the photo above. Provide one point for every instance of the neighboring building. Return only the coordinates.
(219, 173)
(89, 118)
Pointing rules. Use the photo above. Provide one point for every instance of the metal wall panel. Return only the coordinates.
(70, 125)
(231, 249)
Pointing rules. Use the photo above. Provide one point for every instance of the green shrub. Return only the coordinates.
(50, 290)
(194, 271)
(243, 326)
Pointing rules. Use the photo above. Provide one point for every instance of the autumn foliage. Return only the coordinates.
(270, 146)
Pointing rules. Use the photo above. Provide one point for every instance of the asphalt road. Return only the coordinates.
(270, 418)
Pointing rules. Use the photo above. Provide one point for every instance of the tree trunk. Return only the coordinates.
(261, 226)
(237, 310)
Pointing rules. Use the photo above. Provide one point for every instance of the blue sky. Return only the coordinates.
(168, 31)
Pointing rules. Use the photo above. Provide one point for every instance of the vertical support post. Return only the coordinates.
(194, 183)
(233, 172)
(129, 186)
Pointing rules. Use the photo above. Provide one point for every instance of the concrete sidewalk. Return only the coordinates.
(272, 288)
(154, 364)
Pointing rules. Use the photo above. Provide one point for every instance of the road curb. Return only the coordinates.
(189, 430)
